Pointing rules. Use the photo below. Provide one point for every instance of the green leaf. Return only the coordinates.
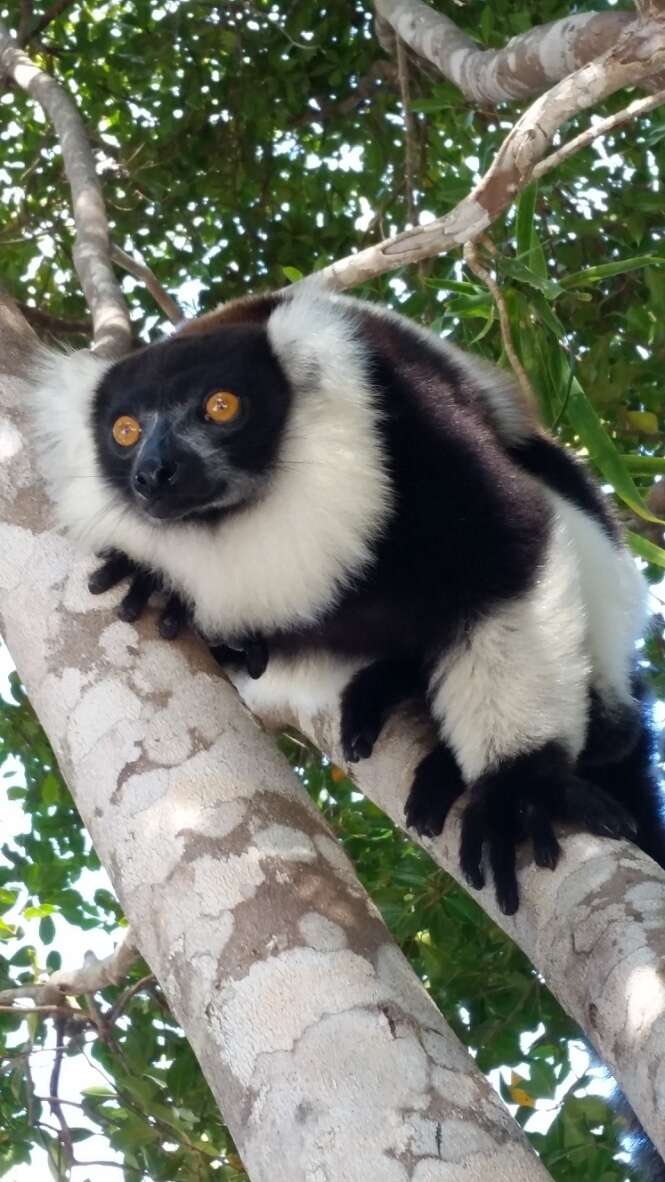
(517, 270)
(46, 930)
(529, 251)
(645, 465)
(645, 549)
(292, 274)
(607, 270)
(50, 788)
(582, 416)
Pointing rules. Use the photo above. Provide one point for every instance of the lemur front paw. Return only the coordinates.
(251, 654)
(520, 801)
(368, 699)
(436, 786)
(117, 566)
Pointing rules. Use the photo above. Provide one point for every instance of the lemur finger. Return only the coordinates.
(113, 570)
(546, 848)
(172, 617)
(135, 601)
(474, 829)
(256, 657)
(224, 655)
(597, 811)
(502, 851)
(436, 786)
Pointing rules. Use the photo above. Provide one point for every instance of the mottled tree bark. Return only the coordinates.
(112, 332)
(526, 66)
(594, 927)
(327, 1056)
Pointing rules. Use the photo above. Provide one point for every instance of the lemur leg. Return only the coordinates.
(618, 754)
(368, 699)
(511, 700)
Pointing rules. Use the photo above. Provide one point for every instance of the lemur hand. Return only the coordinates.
(143, 583)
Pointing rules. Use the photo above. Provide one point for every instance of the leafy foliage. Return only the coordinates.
(241, 146)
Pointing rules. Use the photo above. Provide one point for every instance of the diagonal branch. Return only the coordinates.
(142, 271)
(639, 53)
(600, 127)
(526, 66)
(96, 974)
(111, 329)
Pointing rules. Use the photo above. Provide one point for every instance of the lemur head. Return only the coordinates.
(191, 428)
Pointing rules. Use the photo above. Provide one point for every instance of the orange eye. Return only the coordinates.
(222, 406)
(126, 431)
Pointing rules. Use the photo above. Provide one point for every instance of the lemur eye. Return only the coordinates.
(126, 431)
(222, 406)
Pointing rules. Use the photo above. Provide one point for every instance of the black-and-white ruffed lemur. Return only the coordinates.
(334, 490)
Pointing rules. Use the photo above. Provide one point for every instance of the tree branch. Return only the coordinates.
(112, 333)
(52, 13)
(409, 132)
(142, 271)
(472, 258)
(639, 52)
(600, 127)
(97, 974)
(57, 325)
(526, 66)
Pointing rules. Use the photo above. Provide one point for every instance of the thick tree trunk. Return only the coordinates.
(328, 1058)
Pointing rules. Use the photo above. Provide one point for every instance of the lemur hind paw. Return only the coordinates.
(520, 801)
(436, 786)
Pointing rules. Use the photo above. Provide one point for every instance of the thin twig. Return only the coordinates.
(65, 1136)
(55, 324)
(112, 333)
(472, 260)
(25, 22)
(602, 127)
(52, 12)
(112, 1165)
(409, 130)
(96, 974)
(142, 271)
(123, 1001)
(60, 1011)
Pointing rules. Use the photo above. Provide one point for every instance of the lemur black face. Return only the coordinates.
(190, 428)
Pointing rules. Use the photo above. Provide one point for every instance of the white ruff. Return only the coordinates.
(284, 560)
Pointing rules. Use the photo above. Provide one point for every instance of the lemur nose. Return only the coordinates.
(152, 478)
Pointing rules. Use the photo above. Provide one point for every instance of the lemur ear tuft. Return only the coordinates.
(246, 310)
